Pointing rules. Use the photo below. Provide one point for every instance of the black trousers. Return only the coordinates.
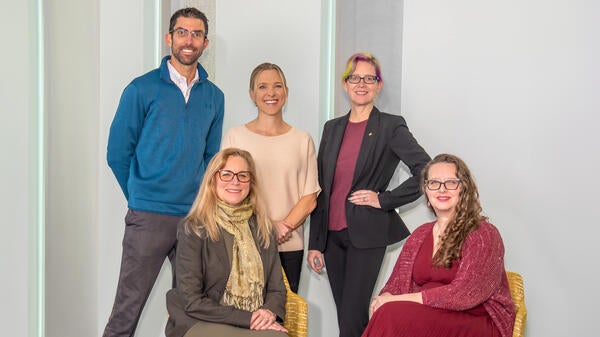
(352, 275)
(149, 239)
(292, 265)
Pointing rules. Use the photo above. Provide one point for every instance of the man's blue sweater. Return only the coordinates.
(159, 145)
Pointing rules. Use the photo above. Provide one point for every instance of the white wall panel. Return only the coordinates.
(19, 172)
(511, 87)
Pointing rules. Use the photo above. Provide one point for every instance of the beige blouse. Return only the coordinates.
(286, 166)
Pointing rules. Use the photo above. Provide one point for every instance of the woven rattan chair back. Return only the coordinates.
(296, 312)
(517, 292)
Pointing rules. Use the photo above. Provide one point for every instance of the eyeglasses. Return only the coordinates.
(368, 79)
(450, 184)
(242, 176)
(184, 33)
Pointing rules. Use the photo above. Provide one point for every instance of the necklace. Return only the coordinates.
(438, 233)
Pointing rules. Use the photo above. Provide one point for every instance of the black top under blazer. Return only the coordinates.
(386, 142)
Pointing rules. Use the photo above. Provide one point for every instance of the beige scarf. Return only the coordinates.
(246, 280)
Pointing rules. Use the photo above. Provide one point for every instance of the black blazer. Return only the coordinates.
(386, 142)
(202, 269)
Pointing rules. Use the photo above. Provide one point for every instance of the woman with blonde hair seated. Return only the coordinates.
(449, 279)
(228, 273)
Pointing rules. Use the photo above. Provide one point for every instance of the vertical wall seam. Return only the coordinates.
(326, 97)
(40, 230)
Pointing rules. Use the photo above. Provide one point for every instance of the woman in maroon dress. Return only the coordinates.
(449, 279)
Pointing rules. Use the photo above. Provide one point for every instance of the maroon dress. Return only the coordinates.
(410, 319)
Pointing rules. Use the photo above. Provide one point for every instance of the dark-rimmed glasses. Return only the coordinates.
(242, 176)
(368, 79)
(183, 33)
(450, 184)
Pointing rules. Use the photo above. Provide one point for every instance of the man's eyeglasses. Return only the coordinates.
(184, 33)
(368, 79)
(242, 176)
(434, 185)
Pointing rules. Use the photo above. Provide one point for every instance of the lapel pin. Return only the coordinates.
(370, 134)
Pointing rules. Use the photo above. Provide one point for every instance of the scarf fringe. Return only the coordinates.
(242, 301)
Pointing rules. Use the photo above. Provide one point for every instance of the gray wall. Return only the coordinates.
(511, 86)
(72, 71)
(374, 27)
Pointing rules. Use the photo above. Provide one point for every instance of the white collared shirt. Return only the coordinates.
(181, 81)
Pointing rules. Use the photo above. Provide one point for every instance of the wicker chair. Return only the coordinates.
(296, 312)
(515, 282)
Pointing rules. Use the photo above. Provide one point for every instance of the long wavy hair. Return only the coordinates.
(467, 215)
(201, 219)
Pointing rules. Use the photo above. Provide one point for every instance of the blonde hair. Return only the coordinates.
(267, 66)
(201, 219)
(467, 216)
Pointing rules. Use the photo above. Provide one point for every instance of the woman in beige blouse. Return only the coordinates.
(286, 164)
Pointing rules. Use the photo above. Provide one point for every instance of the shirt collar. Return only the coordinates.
(178, 78)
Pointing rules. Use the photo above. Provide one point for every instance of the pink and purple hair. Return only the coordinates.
(366, 57)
